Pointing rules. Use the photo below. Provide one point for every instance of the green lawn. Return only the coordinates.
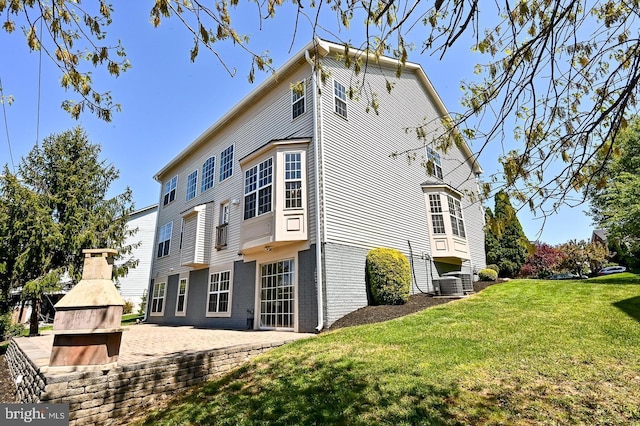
(523, 352)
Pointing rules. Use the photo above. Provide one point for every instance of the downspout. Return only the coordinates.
(316, 183)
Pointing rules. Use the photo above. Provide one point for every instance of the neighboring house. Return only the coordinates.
(599, 236)
(135, 283)
(243, 207)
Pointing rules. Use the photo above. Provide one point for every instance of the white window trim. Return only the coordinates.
(213, 174)
(445, 192)
(274, 257)
(225, 207)
(195, 192)
(218, 270)
(170, 225)
(257, 189)
(233, 153)
(303, 98)
(186, 296)
(454, 215)
(172, 187)
(336, 97)
(288, 180)
(433, 155)
(163, 297)
(440, 213)
(222, 221)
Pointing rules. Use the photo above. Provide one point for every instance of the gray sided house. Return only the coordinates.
(265, 220)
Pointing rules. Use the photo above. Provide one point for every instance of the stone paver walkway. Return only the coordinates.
(145, 342)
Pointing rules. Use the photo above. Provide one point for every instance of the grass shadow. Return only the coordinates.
(616, 279)
(336, 391)
(630, 307)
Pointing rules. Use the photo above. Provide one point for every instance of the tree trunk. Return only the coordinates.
(33, 322)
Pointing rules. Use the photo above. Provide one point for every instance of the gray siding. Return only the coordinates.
(243, 298)
(345, 287)
(265, 120)
(170, 294)
(307, 291)
(369, 199)
(373, 200)
(189, 228)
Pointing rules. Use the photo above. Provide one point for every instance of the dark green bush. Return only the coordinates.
(388, 276)
(487, 275)
(7, 329)
(127, 308)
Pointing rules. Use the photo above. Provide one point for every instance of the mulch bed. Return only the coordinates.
(7, 387)
(417, 302)
(366, 315)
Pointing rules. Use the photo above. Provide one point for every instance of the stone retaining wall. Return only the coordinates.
(108, 397)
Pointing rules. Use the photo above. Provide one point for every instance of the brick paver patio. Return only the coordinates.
(145, 342)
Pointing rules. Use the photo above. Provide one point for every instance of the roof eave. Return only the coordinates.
(322, 48)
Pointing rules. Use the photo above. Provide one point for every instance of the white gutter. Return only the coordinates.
(317, 154)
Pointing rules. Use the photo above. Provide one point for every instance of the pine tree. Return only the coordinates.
(505, 241)
(57, 205)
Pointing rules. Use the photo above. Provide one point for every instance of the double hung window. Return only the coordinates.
(340, 99)
(157, 298)
(218, 296)
(226, 163)
(293, 180)
(434, 164)
(170, 190)
(258, 182)
(208, 176)
(192, 182)
(164, 239)
(298, 92)
(181, 303)
(437, 218)
(455, 213)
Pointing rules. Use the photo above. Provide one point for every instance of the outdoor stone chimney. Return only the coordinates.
(87, 320)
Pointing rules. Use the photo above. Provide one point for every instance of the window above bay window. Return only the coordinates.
(434, 163)
(298, 95)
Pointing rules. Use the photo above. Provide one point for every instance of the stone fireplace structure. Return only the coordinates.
(87, 320)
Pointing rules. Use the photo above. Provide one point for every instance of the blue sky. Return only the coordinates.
(167, 101)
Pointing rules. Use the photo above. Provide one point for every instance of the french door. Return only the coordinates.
(277, 295)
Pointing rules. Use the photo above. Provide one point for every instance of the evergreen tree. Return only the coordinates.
(56, 206)
(505, 241)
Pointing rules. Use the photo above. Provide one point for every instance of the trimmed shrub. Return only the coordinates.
(487, 275)
(388, 276)
(494, 267)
